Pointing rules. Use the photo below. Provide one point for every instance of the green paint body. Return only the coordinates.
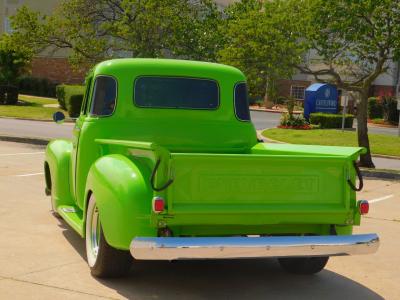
(225, 181)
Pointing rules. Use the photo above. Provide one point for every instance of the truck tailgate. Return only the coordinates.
(260, 184)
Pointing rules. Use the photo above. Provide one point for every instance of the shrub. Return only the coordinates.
(331, 120)
(60, 94)
(70, 98)
(390, 112)
(8, 94)
(280, 100)
(256, 101)
(292, 121)
(375, 108)
(37, 86)
(74, 105)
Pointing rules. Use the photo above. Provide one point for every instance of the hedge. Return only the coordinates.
(8, 94)
(70, 98)
(390, 112)
(385, 108)
(37, 87)
(331, 120)
(375, 109)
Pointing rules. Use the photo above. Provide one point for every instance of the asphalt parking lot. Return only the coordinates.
(42, 258)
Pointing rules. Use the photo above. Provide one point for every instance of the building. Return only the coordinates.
(387, 84)
(53, 66)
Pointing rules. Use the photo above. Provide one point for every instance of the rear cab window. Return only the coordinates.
(241, 102)
(104, 96)
(176, 92)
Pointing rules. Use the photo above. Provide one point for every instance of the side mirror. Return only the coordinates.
(58, 117)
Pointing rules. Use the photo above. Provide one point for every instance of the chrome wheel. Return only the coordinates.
(93, 232)
(104, 260)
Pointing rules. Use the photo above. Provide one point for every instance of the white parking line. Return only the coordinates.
(27, 175)
(381, 198)
(24, 153)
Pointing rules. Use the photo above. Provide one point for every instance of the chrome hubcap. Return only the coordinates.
(95, 232)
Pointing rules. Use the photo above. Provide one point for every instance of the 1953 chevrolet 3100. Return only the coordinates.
(164, 164)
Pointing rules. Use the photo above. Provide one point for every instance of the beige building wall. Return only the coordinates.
(9, 7)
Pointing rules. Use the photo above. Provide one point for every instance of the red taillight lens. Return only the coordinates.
(158, 205)
(363, 207)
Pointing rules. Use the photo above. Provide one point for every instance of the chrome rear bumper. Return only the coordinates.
(172, 248)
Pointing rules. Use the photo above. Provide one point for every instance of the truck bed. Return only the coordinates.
(269, 184)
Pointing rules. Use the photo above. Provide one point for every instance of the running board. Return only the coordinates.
(73, 216)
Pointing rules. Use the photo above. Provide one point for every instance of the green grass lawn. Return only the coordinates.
(30, 107)
(380, 144)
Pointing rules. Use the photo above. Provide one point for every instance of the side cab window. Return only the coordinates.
(87, 95)
(241, 102)
(104, 96)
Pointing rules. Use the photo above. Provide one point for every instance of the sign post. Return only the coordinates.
(398, 108)
(345, 102)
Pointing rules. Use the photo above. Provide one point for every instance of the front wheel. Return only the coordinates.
(303, 265)
(104, 261)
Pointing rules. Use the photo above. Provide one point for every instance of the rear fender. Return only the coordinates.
(123, 195)
(57, 170)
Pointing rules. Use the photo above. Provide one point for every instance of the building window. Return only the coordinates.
(7, 26)
(297, 92)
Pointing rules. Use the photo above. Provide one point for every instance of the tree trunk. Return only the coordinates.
(362, 131)
(267, 101)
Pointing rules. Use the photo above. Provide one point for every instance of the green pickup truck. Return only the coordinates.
(165, 164)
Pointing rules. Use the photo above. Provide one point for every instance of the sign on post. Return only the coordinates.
(398, 108)
(345, 103)
(320, 97)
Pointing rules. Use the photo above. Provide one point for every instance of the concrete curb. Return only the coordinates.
(68, 120)
(382, 126)
(386, 156)
(25, 140)
(273, 110)
(380, 174)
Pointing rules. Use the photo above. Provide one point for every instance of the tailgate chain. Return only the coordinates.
(361, 184)
(153, 175)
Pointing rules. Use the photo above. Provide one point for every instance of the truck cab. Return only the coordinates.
(164, 163)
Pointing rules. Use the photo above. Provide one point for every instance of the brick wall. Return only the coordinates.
(382, 90)
(57, 70)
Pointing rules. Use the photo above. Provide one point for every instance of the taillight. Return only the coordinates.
(158, 205)
(363, 207)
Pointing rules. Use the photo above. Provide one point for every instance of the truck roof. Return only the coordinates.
(166, 66)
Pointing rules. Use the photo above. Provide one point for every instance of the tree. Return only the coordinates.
(256, 43)
(354, 42)
(13, 62)
(97, 30)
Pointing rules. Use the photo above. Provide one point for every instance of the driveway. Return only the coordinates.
(42, 258)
